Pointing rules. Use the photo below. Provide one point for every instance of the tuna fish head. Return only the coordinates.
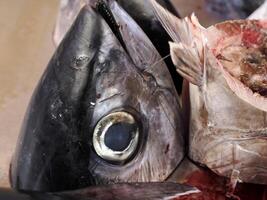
(105, 110)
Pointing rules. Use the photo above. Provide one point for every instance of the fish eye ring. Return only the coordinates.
(102, 130)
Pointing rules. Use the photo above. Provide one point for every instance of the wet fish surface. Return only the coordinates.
(105, 110)
(225, 66)
(133, 191)
(141, 11)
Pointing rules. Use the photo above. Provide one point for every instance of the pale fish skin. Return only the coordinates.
(228, 124)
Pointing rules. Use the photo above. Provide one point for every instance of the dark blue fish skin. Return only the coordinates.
(91, 75)
(234, 9)
(50, 150)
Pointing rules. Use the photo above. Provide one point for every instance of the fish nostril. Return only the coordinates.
(80, 62)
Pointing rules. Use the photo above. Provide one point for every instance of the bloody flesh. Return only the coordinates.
(214, 187)
(227, 120)
(245, 58)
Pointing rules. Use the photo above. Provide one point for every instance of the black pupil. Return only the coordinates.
(119, 136)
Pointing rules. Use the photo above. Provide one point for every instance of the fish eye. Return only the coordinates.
(116, 137)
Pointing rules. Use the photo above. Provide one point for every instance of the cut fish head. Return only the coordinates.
(240, 50)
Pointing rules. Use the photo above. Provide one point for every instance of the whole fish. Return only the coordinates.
(226, 67)
(105, 110)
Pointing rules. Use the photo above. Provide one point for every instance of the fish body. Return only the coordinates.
(227, 118)
(104, 111)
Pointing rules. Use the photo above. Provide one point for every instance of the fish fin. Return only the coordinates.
(187, 51)
(186, 62)
(167, 19)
